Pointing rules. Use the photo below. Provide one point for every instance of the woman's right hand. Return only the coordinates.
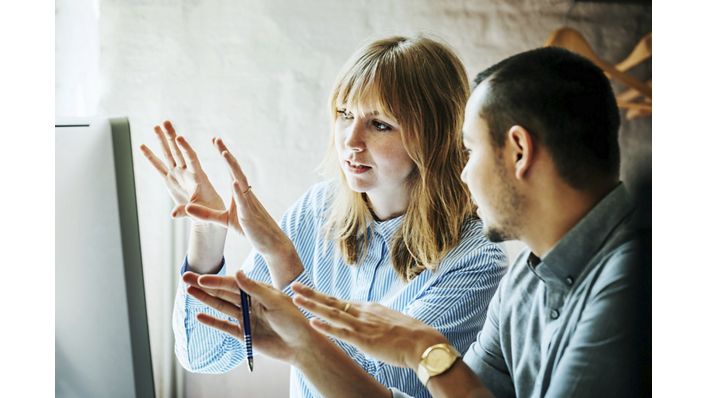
(278, 328)
(186, 181)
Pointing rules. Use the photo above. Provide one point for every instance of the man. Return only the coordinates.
(541, 128)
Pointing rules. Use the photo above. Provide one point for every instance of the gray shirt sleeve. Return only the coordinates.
(485, 356)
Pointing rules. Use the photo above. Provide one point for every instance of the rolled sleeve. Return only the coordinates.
(485, 356)
(200, 348)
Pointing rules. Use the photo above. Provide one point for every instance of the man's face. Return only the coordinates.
(488, 175)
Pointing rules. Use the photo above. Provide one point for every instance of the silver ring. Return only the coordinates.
(247, 190)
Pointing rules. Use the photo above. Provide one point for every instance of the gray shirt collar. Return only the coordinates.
(565, 262)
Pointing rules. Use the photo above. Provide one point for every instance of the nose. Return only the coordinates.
(356, 136)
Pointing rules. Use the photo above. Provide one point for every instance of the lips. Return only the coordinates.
(356, 168)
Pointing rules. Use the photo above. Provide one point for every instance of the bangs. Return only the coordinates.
(366, 83)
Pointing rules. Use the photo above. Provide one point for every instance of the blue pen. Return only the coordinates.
(245, 308)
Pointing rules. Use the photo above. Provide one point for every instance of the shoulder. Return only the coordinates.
(315, 201)
(475, 250)
(617, 269)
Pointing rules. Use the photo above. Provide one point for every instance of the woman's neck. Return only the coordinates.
(386, 206)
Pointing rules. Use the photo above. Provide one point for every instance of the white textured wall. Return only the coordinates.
(259, 73)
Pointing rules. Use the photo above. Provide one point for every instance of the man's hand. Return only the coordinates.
(385, 334)
(278, 328)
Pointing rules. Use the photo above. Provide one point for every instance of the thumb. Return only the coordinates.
(178, 212)
(257, 290)
(203, 213)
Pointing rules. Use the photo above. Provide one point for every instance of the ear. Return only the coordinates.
(521, 148)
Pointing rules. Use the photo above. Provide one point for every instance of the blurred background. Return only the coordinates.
(258, 74)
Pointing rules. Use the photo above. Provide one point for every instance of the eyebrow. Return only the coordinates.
(372, 113)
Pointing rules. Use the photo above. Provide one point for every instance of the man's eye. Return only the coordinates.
(380, 126)
(345, 114)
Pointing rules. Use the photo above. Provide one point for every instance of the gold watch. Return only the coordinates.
(436, 360)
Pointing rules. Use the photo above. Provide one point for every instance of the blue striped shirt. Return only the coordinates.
(453, 299)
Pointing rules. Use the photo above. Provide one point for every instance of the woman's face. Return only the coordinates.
(370, 151)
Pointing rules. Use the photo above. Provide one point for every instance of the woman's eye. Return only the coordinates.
(345, 114)
(380, 126)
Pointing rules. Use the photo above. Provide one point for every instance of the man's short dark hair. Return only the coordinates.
(567, 105)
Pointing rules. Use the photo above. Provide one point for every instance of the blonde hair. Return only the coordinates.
(421, 83)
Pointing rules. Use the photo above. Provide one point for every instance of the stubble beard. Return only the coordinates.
(509, 204)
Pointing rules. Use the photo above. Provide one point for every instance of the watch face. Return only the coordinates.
(438, 360)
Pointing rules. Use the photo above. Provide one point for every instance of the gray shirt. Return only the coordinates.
(564, 325)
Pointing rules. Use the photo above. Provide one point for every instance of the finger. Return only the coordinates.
(192, 159)
(192, 279)
(219, 282)
(334, 331)
(229, 296)
(233, 215)
(178, 212)
(330, 301)
(235, 167)
(165, 147)
(216, 303)
(331, 314)
(223, 287)
(171, 136)
(220, 324)
(156, 162)
(221, 147)
(265, 294)
(240, 193)
(204, 213)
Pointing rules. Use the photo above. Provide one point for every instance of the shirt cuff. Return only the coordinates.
(185, 267)
(190, 303)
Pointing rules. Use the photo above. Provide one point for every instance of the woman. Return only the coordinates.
(397, 228)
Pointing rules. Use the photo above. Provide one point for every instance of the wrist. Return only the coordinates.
(207, 228)
(425, 340)
(309, 349)
(205, 249)
(284, 265)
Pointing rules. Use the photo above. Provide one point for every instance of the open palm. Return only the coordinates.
(186, 181)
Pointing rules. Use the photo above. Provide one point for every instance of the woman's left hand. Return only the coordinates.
(278, 328)
(249, 217)
(381, 332)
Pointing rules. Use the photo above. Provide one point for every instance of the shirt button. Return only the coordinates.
(569, 280)
(554, 314)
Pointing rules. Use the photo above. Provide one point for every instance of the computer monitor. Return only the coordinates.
(102, 343)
